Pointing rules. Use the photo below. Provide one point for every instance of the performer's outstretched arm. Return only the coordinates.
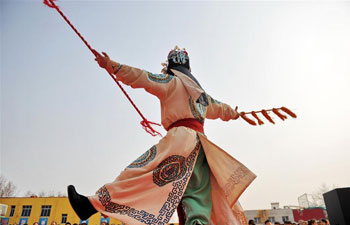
(156, 84)
(220, 110)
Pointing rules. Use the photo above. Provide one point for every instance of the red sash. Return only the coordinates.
(190, 123)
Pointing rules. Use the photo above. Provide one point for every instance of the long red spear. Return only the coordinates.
(145, 123)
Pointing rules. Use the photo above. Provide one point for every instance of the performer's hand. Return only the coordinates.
(101, 60)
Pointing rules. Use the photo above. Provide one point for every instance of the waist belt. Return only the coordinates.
(190, 123)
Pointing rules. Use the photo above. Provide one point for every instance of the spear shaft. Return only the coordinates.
(145, 123)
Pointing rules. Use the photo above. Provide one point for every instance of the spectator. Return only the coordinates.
(251, 222)
(68, 223)
(287, 223)
(312, 222)
(277, 223)
(302, 222)
(323, 222)
(53, 223)
(268, 222)
(35, 223)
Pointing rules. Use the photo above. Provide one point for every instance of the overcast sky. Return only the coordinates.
(64, 121)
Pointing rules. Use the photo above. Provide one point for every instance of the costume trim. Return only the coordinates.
(145, 158)
(214, 100)
(234, 179)
(118, 69)
(160, 78)
(168, 208)
(198, 110)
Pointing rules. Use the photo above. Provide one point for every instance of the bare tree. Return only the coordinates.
(48, 194)
(7, 188)
(42, 194)
(61, 194)
(317, 196)
(29, 194)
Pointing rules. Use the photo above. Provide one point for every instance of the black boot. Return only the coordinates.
(81, 204)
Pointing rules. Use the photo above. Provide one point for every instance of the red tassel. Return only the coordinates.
(50, 3)
(260, 122)
(286, 110)
(281, 116)
(251, 122)
(264, 112)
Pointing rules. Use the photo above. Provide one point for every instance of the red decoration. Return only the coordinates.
(281, 116)
(251, 122)
(286, 110)
(266, 115)
(260, 122)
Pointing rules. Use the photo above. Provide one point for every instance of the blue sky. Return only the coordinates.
(64, 121)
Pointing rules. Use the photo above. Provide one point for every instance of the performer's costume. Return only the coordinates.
(150, 189)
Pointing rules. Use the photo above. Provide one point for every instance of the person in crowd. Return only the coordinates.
(268, 222)
(312, 222)
(323, 222)
(251, 222)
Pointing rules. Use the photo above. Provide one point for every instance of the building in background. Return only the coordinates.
(305, 201)
(44, 210)
(287, 213)
(275, 214)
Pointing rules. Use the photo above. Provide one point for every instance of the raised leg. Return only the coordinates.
(81, 204)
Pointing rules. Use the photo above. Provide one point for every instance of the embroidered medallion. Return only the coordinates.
(169, 170)
(160, 78)
(145, 158)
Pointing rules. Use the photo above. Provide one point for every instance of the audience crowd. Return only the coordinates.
(300, 222)
(251, 222)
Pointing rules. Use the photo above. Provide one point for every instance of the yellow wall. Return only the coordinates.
(59, 206)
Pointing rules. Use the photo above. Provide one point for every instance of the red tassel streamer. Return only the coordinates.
(146, 125)
(281, 116)
(289, 112)
(266, 115)
(251, 122)
(260, 122)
